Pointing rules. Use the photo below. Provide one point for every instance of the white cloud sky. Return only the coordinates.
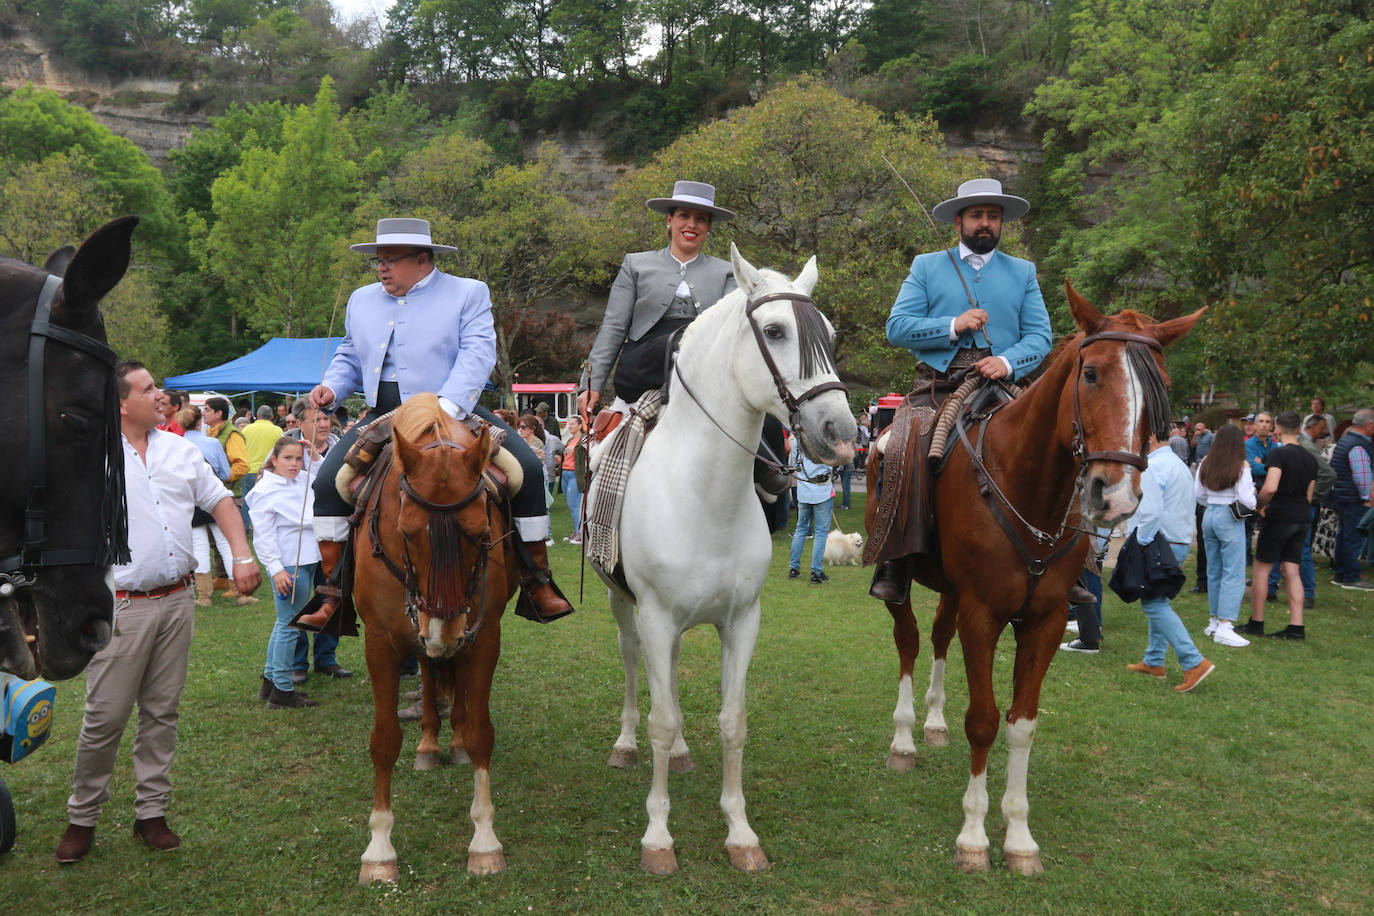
(350, 10)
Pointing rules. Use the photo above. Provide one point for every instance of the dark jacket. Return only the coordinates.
(1146, 572)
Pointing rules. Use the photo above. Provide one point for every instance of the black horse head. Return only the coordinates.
(60, 529)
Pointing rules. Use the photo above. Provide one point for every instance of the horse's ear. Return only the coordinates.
(806, 280)
(477, 456)
(406, 454)
(94, 270)
(1166, 332)
(747, 276)
(1085, 315)
(57, 262)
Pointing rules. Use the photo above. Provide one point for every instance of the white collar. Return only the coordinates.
(965, 251)
(682, 265)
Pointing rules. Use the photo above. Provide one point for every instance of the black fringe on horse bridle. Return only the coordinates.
(813, 340)
(114, 507)
(445, 593)
(1157, 412)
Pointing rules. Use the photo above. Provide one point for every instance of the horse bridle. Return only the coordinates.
(802, 304)
(996, 498)
(417, 600)
(21, 570)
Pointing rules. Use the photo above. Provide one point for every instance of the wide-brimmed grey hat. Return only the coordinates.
(409, 233)
(981, 191)
(695, 194)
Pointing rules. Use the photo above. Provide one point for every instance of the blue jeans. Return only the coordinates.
(282, 643)
(246, 483)
(1345, 565)
(325, 644)
(1167, 630)
(574, 496)
(1224, 537)
(812, 518)
(846, 481)
(1307, 572)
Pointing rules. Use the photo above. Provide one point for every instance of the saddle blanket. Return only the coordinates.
(611, 469)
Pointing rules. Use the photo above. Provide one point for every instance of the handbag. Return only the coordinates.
(1239, 512)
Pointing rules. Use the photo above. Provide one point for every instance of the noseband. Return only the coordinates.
(21, 570)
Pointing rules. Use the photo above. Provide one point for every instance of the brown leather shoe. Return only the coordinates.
(1079, 594)
(155, 832)
(75, 843)
(540, 600)
(1155, 671)
(890, 583)
(1194, 675)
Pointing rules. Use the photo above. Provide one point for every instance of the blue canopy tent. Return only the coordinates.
(288, 364)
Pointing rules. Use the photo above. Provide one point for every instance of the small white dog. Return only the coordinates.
(843, 549)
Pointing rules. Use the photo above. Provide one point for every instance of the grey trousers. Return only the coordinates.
(145, 663)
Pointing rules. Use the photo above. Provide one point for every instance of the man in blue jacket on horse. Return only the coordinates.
(965, 309)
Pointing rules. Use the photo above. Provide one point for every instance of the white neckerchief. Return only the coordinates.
(683, 290)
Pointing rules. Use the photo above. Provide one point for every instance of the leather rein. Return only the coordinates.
(793, 403)
(20, 570)
(417, 599)
(998, 502)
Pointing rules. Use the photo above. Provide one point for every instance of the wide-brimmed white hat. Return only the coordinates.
(408, 233)
(981, 191)
(695, 194)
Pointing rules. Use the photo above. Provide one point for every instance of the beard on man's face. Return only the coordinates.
(983, 241)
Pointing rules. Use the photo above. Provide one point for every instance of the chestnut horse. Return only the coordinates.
(433, 570)
(1010, 538)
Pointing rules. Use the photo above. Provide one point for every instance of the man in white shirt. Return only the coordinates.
(145, 663)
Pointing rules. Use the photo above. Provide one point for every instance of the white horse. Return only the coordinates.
(695, 545)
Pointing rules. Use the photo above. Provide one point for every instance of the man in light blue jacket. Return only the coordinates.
(419, 329)
(967, 308)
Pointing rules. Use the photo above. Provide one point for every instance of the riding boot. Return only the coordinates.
(891, 582)
(540, 599)
(328, 594)
(204, 589)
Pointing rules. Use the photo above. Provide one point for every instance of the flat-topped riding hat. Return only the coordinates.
(408, 233)
(695, 194)
(981, 191)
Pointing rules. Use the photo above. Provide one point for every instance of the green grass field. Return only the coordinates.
(1250, 795)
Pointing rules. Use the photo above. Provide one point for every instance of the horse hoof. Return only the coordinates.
(486, 863)
(658, 861)
(680, 763)
(747, 858)
(458, 755)
(379, 873)
(427, 761)
(622, 758)
(937, 737)
(1023, 863)
(901, 761)
(971, 861)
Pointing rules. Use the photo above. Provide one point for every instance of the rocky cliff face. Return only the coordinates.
(146, 122)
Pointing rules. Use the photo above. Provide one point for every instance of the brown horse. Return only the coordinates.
(1010, 541)
(433, 571)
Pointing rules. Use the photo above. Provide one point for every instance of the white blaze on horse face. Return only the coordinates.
(1122, 497)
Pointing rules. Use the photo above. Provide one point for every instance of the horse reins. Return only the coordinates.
(20, 570)
(996, 499)
(813, 353)
(416, 599)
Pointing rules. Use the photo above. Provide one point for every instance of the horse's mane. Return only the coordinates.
(421, 415)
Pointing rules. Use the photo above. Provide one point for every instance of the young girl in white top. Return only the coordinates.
(1224, 478)
(281, 506)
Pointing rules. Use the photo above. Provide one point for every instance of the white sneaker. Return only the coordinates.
(1071, 627)
(1212, 624)
(1226, 635)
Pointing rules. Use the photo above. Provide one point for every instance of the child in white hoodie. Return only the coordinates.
(281, 507)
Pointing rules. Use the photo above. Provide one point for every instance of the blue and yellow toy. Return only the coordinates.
(25, 716)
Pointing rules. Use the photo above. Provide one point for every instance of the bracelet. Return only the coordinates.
(244, 561)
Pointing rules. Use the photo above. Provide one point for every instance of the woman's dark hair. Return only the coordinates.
(1225, 459)
(531, 422)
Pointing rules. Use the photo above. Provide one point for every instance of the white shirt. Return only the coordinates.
(283, 521)
(162, 494)
(1242, 491)
(683, 290)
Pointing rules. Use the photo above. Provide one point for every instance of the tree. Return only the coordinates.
(47, 204)
(804, 170)
(280, 215)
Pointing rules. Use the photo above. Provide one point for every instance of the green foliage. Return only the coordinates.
(279, 216)
(134, 326)
(210, 153)
(804, 169)
(50, 203)
(37, 123)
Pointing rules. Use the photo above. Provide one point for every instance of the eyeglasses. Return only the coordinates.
(388, 262)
